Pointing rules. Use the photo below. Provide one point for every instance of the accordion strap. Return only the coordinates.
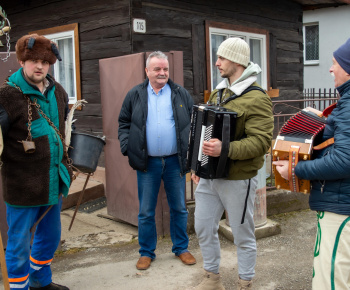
(225, 146)
(324, 144)
(293, 161)
(218, 97)
(234, 96)
(327, 111)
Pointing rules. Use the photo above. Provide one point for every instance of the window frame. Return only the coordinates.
(311, 62)
(74, 29)
(242, 30)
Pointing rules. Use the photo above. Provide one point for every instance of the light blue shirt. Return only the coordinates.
(160, 124)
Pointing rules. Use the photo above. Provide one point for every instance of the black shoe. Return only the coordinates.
(52, 286)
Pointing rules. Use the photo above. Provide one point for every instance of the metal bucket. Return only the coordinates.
(85, 152)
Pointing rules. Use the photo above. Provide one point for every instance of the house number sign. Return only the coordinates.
(139, 25)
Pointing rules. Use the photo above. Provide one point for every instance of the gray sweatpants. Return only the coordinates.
(213, 196)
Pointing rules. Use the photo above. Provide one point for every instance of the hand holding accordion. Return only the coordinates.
(210, 122)
(299, 136)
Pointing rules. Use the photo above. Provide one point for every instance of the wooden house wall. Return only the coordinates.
(105, 31)
(180, 25)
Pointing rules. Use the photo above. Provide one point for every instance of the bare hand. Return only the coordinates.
(282, 167)
(195, 178)
(212, 148)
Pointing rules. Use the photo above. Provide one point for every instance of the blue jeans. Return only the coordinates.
(26, 265)
(168, 169)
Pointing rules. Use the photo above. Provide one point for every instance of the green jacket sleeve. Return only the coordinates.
(258, 128)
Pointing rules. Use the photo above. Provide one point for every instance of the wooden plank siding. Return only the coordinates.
(180, 25)
(105, 31)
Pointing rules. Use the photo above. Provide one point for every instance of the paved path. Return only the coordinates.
(283, 262)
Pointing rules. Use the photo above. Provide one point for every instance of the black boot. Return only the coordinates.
(52, 286)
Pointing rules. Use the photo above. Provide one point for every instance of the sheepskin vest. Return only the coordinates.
(33, 179)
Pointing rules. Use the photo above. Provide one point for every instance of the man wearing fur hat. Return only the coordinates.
(35, 170)
(330, 193)
(235, 194)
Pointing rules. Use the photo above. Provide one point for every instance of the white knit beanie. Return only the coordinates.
(236, 50)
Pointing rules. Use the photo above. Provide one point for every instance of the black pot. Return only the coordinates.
(85, 152)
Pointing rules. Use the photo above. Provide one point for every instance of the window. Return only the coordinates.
(311, 44)
(67, 71)
(257, 40)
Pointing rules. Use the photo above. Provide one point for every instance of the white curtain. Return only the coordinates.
(64, 70)
(255, 54)
(215, 43)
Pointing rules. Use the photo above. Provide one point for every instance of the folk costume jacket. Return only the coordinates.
(330, 170)
(132, 124)
(33, 179)
(254, 124)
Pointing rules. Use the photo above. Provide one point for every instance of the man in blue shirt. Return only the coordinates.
(154, 125)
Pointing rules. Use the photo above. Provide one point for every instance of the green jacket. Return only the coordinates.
(254, 129)
(33, 179)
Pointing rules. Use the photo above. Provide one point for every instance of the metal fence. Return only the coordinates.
(284, 109)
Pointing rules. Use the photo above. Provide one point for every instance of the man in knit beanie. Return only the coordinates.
(35, 166)
(238, 92)
(330, 193)
(342, 58)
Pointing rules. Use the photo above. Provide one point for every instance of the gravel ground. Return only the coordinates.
(284, 262)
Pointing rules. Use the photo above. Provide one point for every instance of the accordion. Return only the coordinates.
(208, 122)
(296, 141)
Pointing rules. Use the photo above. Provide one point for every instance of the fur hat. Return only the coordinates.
(342, 56)
(236, 50)
(34, 47)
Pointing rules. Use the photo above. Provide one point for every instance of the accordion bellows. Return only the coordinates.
(208, 122)
(295, 142)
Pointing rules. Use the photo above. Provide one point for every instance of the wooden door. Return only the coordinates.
(117, 76)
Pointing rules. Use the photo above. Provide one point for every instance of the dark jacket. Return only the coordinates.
(33, 179)
(132, 124)
(330, 170)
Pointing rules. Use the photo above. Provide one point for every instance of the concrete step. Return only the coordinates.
(271, 228)
(277, 202)
(282, 201)
(95, 188)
